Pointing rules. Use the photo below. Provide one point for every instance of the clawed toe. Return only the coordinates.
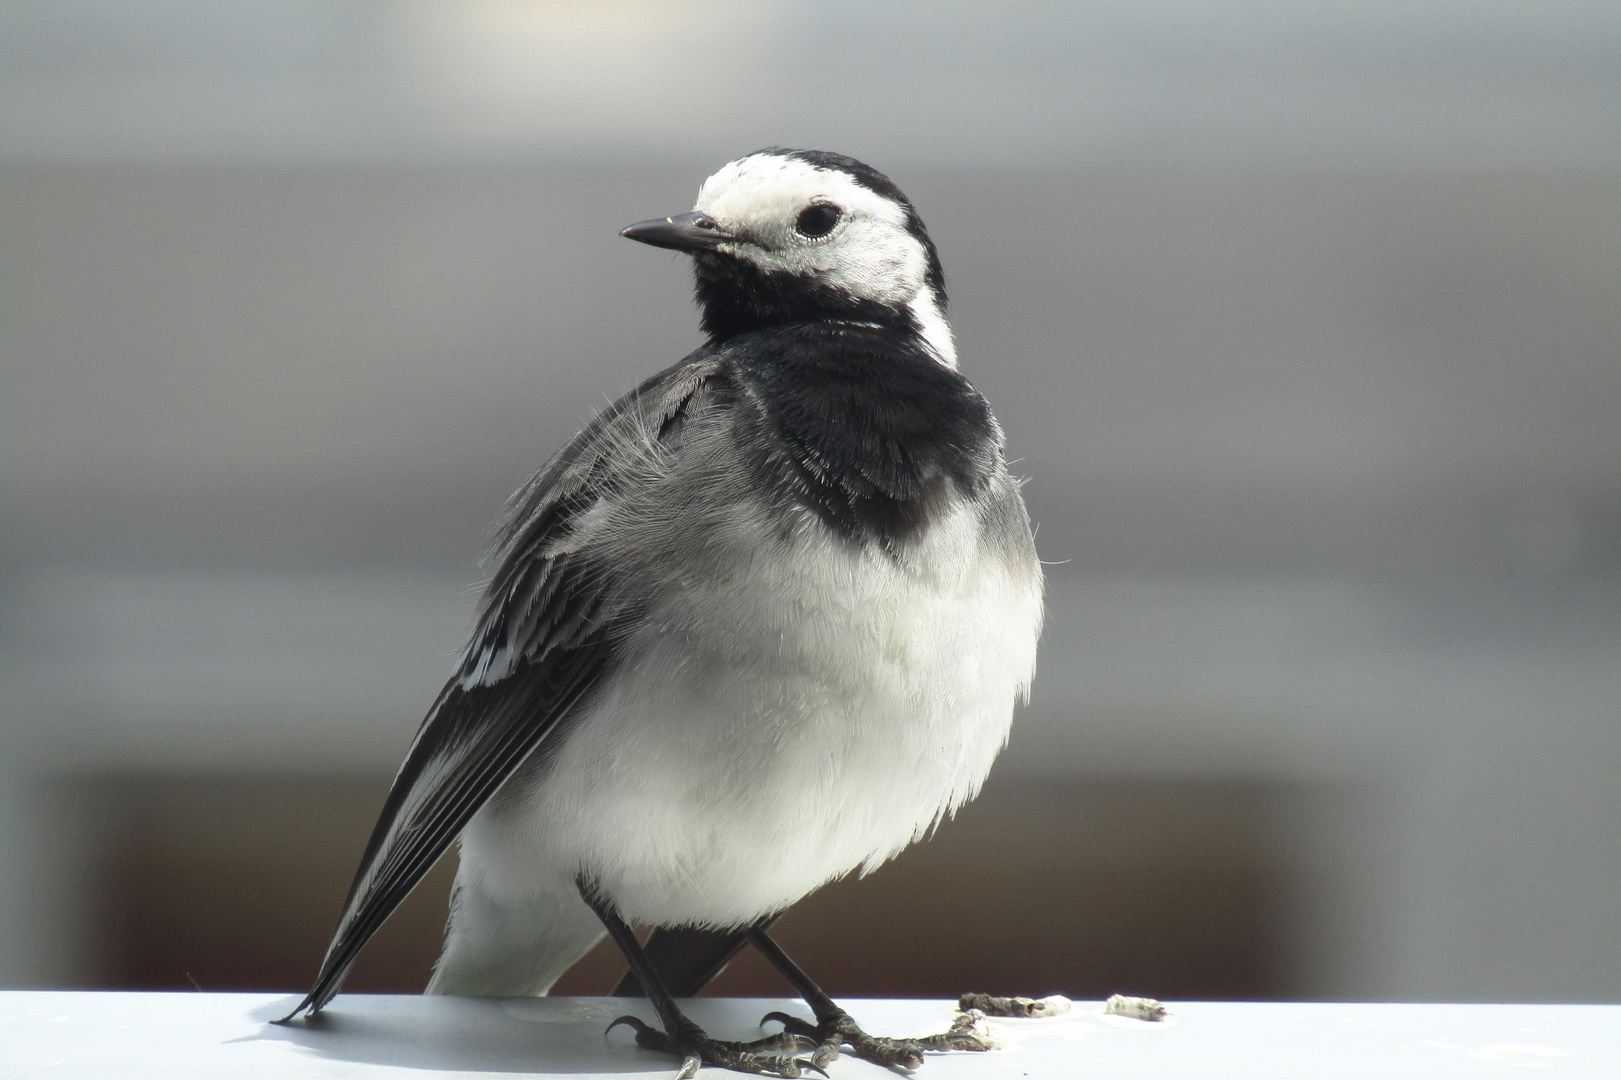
(774, 1055)
(839, 1029)
(967, 1032)
(791, 1024)
(796, 1035)
(696, 1049)
(819, 1039)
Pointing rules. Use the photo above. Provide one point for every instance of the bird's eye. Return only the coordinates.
(817, 220)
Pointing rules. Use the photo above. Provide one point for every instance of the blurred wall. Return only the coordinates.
(1302, 322)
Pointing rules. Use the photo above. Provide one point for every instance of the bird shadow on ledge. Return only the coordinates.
(517, 1035)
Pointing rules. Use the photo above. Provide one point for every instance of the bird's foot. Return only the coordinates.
(693, 1046)
(839, 1029)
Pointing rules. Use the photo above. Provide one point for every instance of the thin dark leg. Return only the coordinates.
(687, 959)
(675, 1022)
(681, 1036)
(814, 996)
(835, 1027)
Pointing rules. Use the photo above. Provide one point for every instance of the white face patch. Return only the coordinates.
(869, 253)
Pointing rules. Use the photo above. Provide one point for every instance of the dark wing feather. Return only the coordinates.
(545, 635)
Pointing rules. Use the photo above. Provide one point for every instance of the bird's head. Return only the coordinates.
(787, 236)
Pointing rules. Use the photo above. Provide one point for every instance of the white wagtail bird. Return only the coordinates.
(761, 624)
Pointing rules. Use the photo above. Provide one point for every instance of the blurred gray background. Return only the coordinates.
(1303, 319)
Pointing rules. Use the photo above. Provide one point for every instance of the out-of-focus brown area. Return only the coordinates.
(236, 884)
(1084, 889)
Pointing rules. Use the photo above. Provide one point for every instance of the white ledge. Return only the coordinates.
(180, 1036)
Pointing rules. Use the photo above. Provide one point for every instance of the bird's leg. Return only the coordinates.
(681, 1037)
(835, 1027)
(688, 959)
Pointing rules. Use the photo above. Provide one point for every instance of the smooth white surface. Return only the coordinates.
(127, 1035)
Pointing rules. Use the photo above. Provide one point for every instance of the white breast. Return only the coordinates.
(793, 710)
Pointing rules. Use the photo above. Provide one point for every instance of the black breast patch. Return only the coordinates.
(864, 426)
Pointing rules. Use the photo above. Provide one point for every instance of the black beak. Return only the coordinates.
(684, 232)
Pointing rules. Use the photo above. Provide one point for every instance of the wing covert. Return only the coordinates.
(545, 635)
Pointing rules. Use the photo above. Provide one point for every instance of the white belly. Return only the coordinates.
(786, 717)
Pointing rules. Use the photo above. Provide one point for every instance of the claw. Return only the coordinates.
(783, 1040)
(792, 1025)
(807, 1036)
(697, 1049)
(635, 1023)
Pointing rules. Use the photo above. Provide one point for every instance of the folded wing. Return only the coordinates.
(545, 636)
